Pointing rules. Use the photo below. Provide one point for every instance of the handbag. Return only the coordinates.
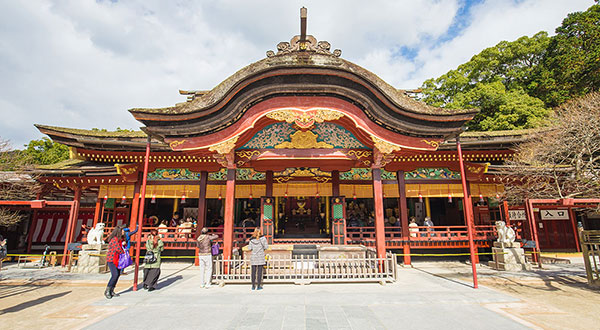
(150, 257)
(124, 260)
(215, 249)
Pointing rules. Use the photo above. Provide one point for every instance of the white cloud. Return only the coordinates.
(84, 63)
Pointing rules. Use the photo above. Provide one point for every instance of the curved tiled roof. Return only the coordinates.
(306, 72)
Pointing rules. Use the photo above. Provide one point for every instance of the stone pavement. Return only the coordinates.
(419, 300)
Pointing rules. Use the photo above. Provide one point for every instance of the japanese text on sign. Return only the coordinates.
(516, 215)
(554, 214)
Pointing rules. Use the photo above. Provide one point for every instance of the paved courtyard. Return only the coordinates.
(418, 300)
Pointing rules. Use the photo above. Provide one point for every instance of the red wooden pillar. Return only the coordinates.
(201, 223)
(97, 211)
(229, 214)
(574, 225)
(335, 183)
(534, 235)
(135, 207)
(33, 225)
(476, 255)
(468, 211)
(269, 184)
(138, 239)
(73, 214)
(379, 221)
(135, 204)
(34, 222)
(403, 216)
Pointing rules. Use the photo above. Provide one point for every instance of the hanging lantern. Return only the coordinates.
(183, 198)
(354, 196)
(317, 195)
(220, 197)
(420, 198)
(250, 196)
(105, 198)
(153, 200)
(497, 196)
(481, 198)
(449, 198)
(285, 194)
(123, 199)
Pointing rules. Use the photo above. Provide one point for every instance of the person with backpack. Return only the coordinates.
(205, 254)
(258, 244)
(152, 264)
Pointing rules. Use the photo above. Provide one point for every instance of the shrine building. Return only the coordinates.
(304, 144)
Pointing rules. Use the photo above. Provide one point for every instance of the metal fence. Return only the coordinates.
(590, 246)
(306, 269)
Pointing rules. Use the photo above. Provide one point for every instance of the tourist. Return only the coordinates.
(258, 244)
(187, 227)
(413, 228)
(128, 234)
(429, 225)
(115, 248)
(152, 270)
(162, 228)
(428, 222)
(174, 220)
(205, 257)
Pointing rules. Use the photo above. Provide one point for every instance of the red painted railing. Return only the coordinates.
(427, 233)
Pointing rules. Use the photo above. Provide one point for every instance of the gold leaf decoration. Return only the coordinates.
(176, 143)
(384, 146)
(224, 147)
(304, 119)
(434, 144)
(304, 140)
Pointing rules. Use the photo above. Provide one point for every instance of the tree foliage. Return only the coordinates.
(563, 161)
(571, 66)
(46, 151)
(515, 84)
(495, 81)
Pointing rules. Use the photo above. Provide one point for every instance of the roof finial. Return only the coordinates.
(303, 15)
(304, 43)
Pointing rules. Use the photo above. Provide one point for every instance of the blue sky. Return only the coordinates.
(84, 63)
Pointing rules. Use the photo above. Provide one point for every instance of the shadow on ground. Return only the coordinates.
(32, 303)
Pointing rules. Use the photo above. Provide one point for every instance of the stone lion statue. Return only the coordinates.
(505, 234)
(95, 234)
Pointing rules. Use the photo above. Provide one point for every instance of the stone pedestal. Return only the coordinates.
(509, 256)
(92, 259)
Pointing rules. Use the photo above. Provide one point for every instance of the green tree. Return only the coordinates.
(502, 109)
(497, 81)
(571, 65)
(46, 151)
